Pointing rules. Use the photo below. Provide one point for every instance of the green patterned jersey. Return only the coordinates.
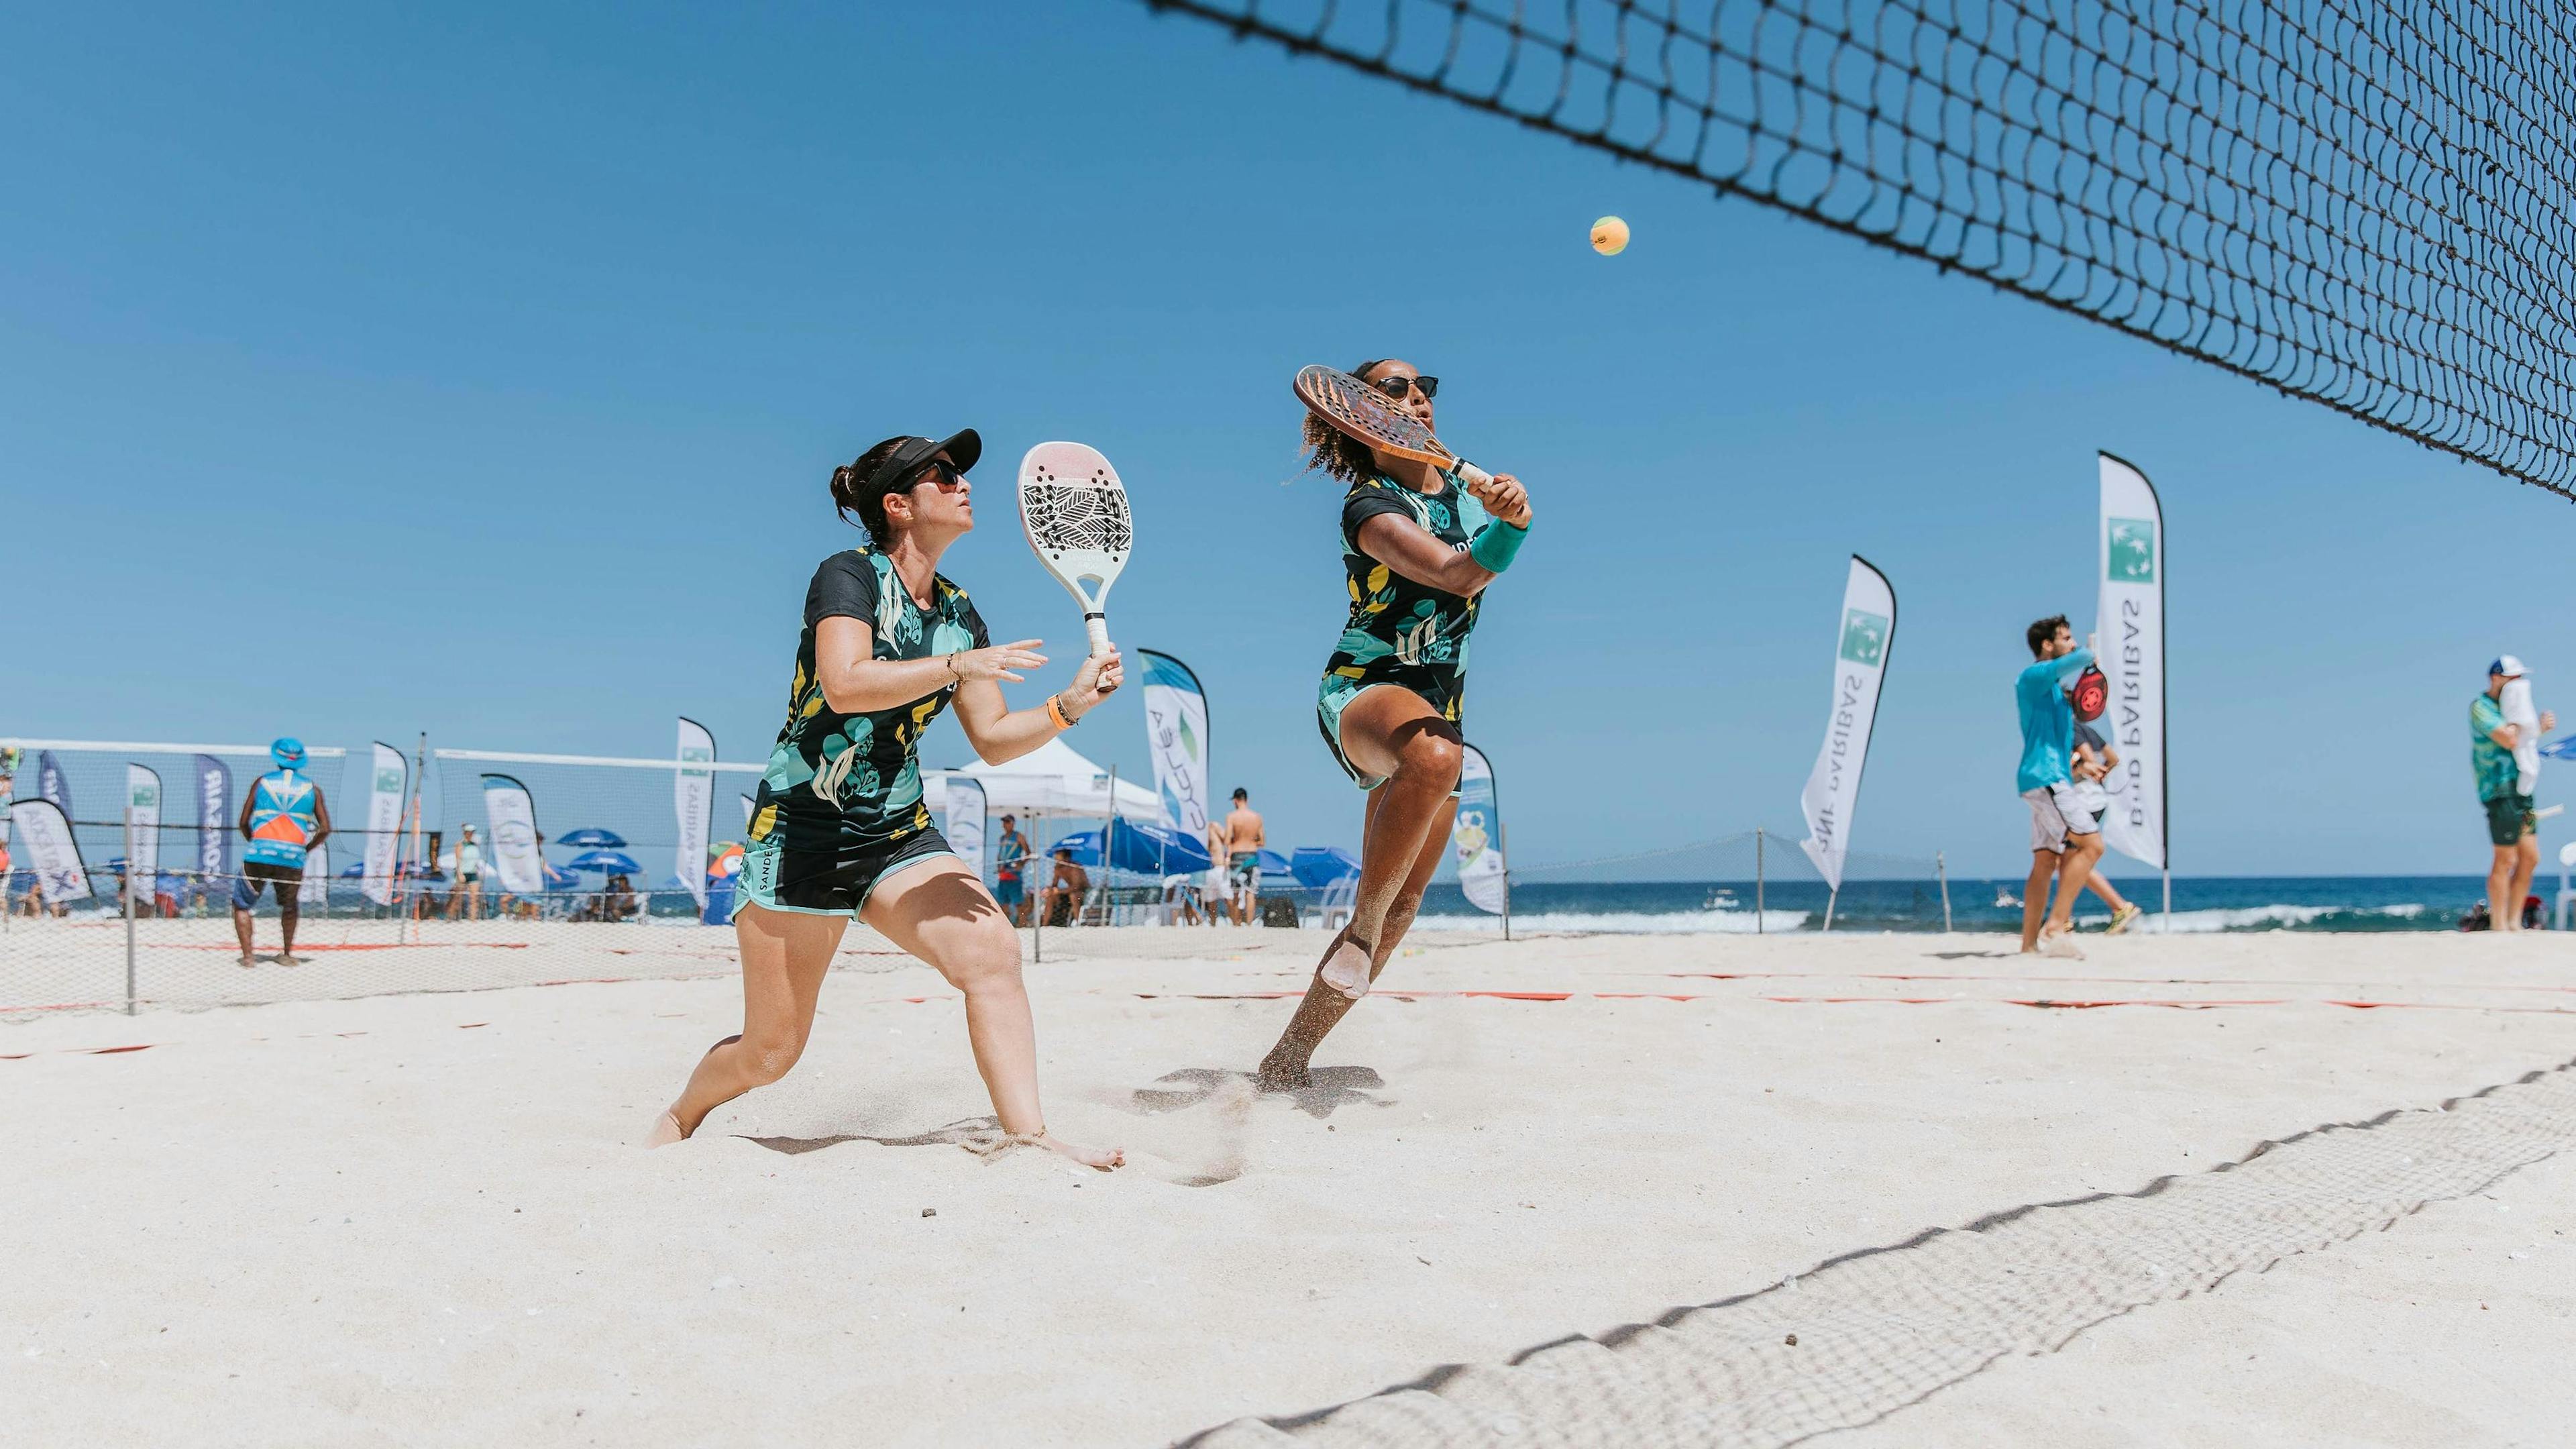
(1401, 632)
(842, 781)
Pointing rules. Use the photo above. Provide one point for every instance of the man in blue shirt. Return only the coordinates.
(282, 817)
(2064, 841)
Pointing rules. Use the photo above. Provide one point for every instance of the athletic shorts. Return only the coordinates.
(833, 882)
(2054, 815)
(1010, 892)
(1243, 871)
(1334, 696)
(2510, 818)
(259, 874)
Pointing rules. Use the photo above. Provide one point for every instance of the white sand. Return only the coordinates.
(416, 1220)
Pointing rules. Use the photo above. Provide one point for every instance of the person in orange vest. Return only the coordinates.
(282, 817)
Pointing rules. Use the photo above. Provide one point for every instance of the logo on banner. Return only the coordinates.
(1864, 637)
(389, 781)
(2132, 551)
(146, 796)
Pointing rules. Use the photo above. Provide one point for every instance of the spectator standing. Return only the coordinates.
(2512, 824)
(282, 816)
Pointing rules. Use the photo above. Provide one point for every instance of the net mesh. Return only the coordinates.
(2367, 206)
(1863, 1335)
(1069, 516)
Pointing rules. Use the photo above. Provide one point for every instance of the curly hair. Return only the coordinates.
(1337, 454)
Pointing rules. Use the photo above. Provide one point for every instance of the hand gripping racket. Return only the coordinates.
(1075, 510)
(1355, 409)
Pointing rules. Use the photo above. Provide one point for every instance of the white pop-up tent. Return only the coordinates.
(1052, 779)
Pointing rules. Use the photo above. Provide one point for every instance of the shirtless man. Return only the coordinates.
(1243, 842)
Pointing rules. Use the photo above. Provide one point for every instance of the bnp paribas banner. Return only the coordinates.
(2129, 634)
(965, 823)
(1478, 835)
(513, 818)
(215, 822)
(391, 778)
(143, 798)
(1176, 730)
(1861, 645)
(693, 794)
(46, 846)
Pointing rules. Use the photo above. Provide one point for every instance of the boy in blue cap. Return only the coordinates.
(282, 816)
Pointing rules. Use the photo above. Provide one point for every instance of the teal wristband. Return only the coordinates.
(1496, 543)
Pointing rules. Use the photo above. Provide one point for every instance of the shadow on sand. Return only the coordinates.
(1327, 1089)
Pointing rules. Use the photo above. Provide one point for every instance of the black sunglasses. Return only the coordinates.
(1395, 387)
(939, 471)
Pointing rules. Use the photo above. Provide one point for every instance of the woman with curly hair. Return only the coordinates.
(839, 830)
(1419, 551)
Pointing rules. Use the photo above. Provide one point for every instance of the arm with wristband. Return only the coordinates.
(1390, 535)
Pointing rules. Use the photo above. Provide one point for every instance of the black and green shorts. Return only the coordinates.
(832, 880)
(2510, 817)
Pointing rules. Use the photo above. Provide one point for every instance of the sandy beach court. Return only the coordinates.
(420, 1219)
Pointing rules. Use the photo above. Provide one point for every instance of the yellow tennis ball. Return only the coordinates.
(1609, 236)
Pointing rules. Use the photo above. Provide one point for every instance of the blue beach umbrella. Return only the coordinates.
(354, 872)
(2561, 748)
(592, 840)
(608, 862)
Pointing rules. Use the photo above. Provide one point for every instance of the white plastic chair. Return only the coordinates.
(1341, 898)
(2566, 895)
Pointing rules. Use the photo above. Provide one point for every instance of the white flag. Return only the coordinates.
(143, 797)
(965, 823)
(512, 815)
(391, 777)
(46, 837)
(1861, 644)
(693, 794)
(2130, 632)
(1176, 731)
(1478, 835)
(316, 889)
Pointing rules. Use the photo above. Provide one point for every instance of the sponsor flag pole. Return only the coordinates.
(693, 795)
(1176, 736)
(133, 882)
(1483, 876)
(1861, 646)
(2130, 629)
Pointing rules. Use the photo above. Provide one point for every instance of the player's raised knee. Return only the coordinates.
(767, 1060)
(1433, 758)
(988, 957)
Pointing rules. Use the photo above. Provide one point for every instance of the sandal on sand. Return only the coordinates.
(2055, 944)
(2120, 920)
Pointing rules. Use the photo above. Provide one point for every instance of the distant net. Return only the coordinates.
(1864, 1335)
(2364, 205)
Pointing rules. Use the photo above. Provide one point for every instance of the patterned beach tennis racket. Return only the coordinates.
(1075, 511)
(1355, 409)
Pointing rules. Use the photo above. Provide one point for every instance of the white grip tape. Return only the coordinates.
(1099, 627)
(1473, 476)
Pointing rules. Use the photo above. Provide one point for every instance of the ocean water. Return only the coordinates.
(2200, 904)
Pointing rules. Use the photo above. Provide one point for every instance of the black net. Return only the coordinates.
(2363, 205)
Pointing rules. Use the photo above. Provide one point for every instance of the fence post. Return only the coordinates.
(1941, 864)
(1503, 842)
(1757, 880)
(129, 909)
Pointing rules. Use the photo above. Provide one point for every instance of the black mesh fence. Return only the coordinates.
(2365, 205)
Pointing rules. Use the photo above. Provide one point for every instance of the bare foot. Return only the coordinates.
(1105, 1159)
(2055, 944)
(1346, 967)
(247, 962)
(666, 1130)
(283, 959)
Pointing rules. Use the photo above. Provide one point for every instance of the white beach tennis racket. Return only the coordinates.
(1357, 410)
(1075, 511)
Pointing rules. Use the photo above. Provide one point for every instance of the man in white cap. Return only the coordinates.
(2494, 740)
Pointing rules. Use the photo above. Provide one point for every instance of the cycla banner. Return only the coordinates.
(143, 804)
(693, 795)
(1861, 645)
(1176, 731)
(1478, 835)
(384, 822)
(2129, 632)
(45, 836)
(512, 815)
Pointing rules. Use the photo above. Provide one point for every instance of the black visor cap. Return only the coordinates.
(896, 473)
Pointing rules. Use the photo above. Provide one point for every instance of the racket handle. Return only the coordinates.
(1473, 476)
(1098, 624)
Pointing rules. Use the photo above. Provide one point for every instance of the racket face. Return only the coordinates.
(1361, 411)
(1074, 509)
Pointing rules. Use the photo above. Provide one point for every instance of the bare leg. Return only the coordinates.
(784, 956)
(1324, 1006)
(1394, 734)
(2034, 897)
(2526, 863)
(2500, 880)
(287, 915)
(2072, 868)
(939, 911)
(241, 929)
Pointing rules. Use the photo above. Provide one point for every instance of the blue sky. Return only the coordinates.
(479, 370)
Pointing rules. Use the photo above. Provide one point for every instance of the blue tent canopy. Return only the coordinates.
(2561, 748)
(592, 839)
(1317, 866)
(1144, 849)
(609, 861)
